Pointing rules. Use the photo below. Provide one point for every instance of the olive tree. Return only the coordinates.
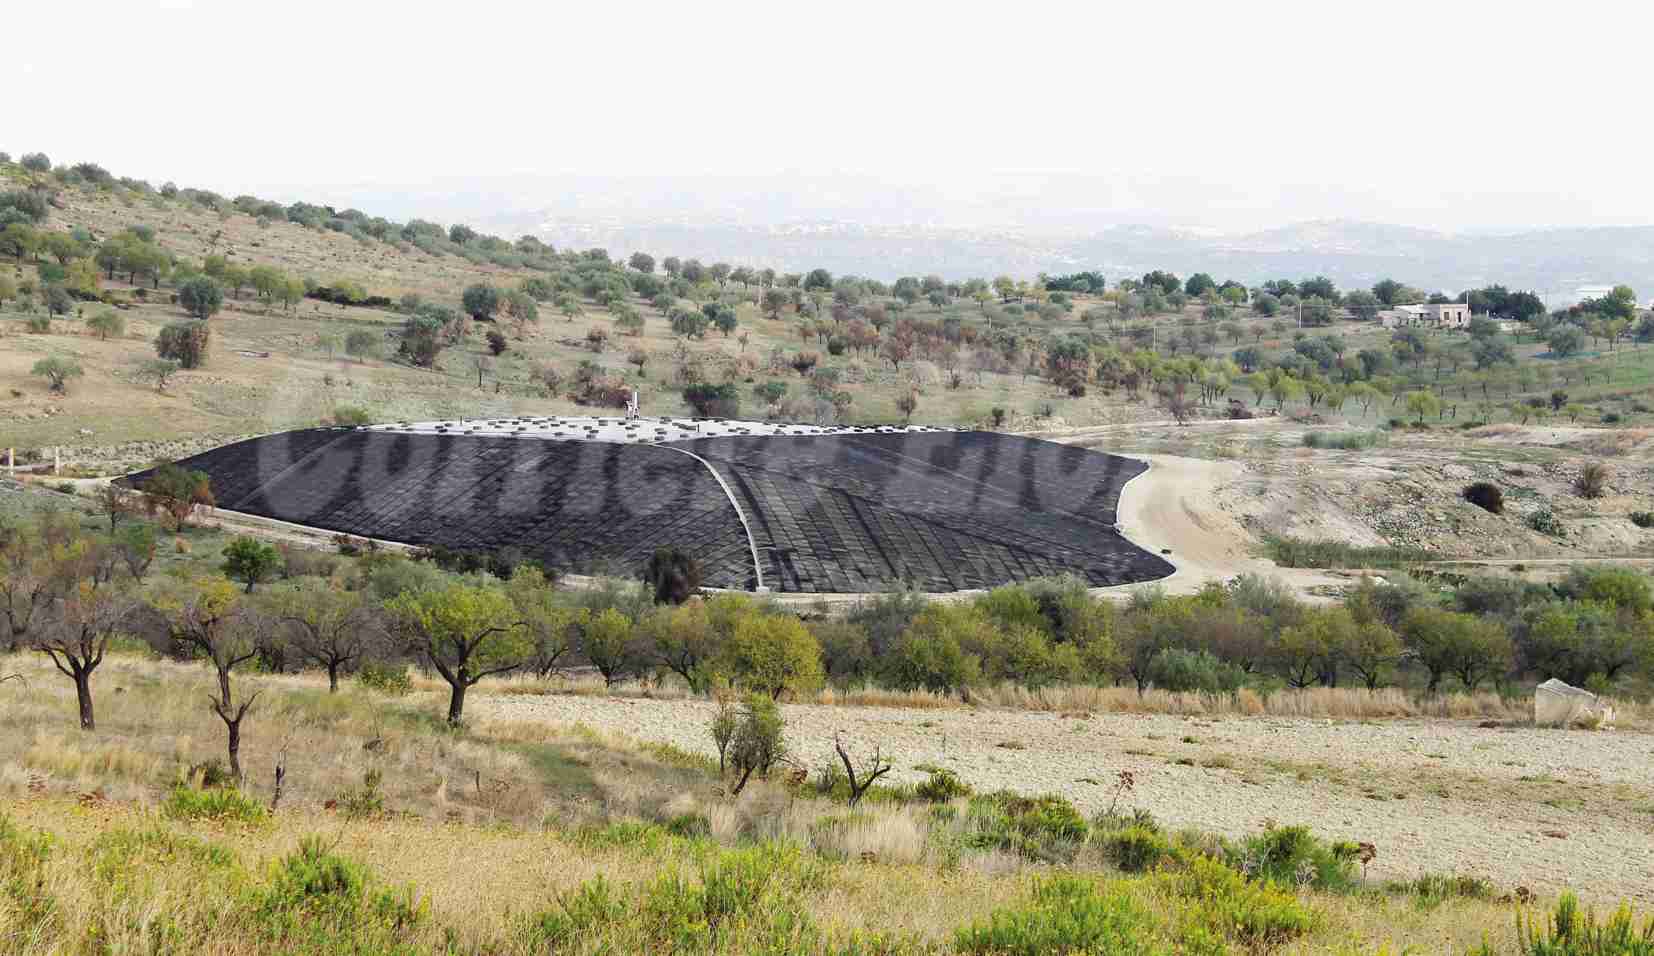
(107, 323)
(481, 301)
(58, 371)
(201, 297)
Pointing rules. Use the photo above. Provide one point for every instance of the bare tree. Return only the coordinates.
(116, 503)
(25, 585)
(877, 768)
(76, 633)
(331, 628)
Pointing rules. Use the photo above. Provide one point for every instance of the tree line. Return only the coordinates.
(68, 592)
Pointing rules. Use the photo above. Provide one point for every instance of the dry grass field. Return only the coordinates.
(526, 835)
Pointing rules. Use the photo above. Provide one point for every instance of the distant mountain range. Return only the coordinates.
(1018, 224)
(1553, 262)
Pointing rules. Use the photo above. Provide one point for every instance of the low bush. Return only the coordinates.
(1643, 519)
(117, 855)
(1136, 849)
(690, 826)
(1293, 856)
(1046, 828)
(1433, 889)
(384, 677)
(1486, 496)
(941, 786)
(352, 416)
(1066, 914)
(366, 802)
(500, 562)
(225, 804)
(1572, 931)
(1592, 480)
(1545, 521)
(315, 896)
(208, 774)
(1345, 441)
(744, 901)
(1256, 915)
(1299, 553)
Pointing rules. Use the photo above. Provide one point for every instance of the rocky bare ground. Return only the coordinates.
(1545, 809)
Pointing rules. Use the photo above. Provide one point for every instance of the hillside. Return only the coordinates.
(813, 347)
(305, 377)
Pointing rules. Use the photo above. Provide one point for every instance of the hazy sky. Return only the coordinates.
(1235, 115)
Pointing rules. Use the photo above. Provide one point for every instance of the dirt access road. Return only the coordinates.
(1546, 809)
(1178, 507)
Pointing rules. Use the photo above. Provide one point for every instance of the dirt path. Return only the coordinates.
(1177, 507)
(1544, 809)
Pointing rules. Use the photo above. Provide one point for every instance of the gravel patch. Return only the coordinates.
(1545, 809)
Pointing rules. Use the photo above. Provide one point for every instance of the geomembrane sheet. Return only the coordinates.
(938, 511)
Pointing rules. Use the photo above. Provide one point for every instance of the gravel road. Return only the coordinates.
(1545, 809)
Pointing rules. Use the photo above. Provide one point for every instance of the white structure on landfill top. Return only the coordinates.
(634, 430)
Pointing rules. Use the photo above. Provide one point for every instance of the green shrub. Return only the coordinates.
(1184, 671)
(1545, 521)
(1433, 889)
(38, 324)
(1066, 914)
(583, 913)
(941, 786)
(1570, 931)
(366, 802)
(748, 895)
(1136, 849)
(631, 834)
(316, 896)
(209, 774)
(1298, 553)
(744, 901)
(691, 826)
(352, 415)
(386, 678)
(117, 854)
(222, 804)
(1292, 856)
(1643, 519)
(1345, 441)
(1256, 915)
(1040, 828)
